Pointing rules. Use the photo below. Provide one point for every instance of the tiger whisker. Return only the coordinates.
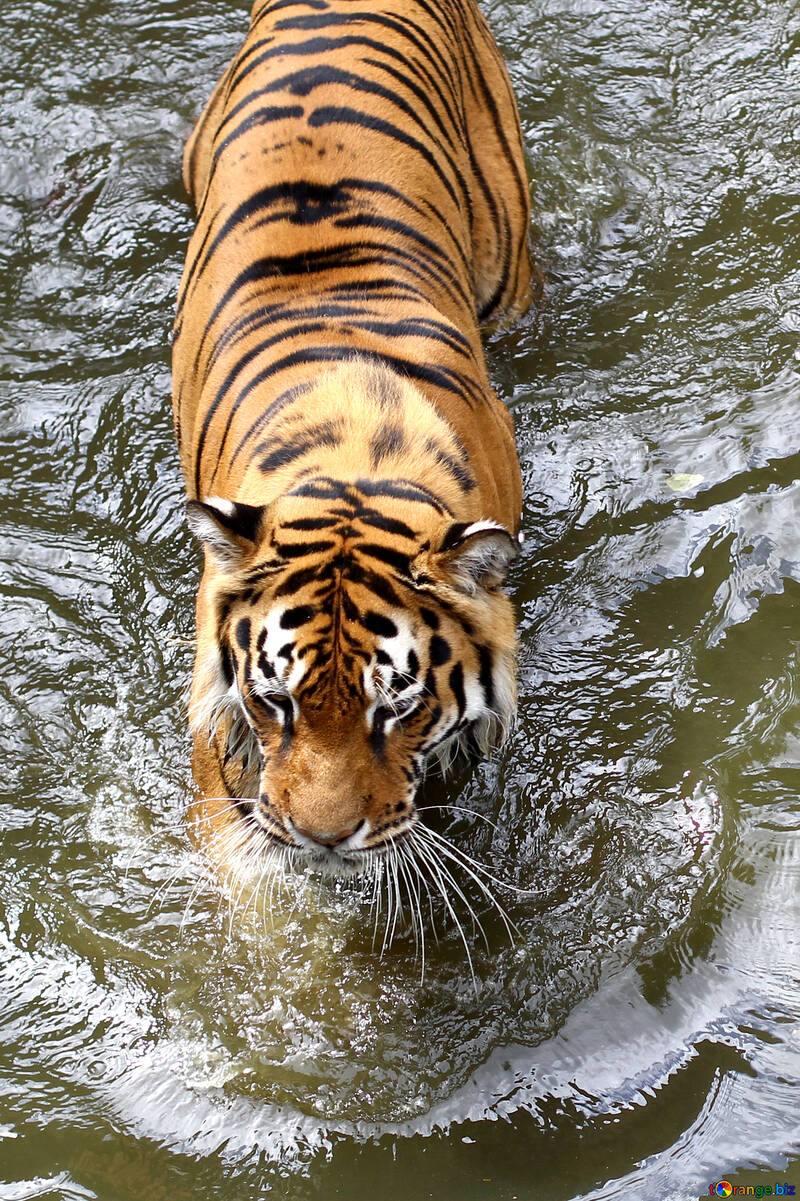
(397, 883)
(229, 845)
(511, 928)
(176, 828)
(140, 846)
(403, 874)
(190, 902)
(374, 904)
(422, 853)
(470, 812)
(236, 854)
(436, 855)
(278, 873)
(256, 856)
(395, 886)
(390, 905)
(162, 892)
(267, 869)
(410, 851)
(470, 862)
(407, 864)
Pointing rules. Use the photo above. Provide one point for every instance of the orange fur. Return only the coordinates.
(362, 206)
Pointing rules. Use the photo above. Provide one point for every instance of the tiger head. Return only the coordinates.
(349, 633)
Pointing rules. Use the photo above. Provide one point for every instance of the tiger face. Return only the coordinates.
(354, 634)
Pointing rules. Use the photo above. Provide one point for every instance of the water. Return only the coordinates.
(640, 1035)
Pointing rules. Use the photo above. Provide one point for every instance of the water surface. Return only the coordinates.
(640, 1034)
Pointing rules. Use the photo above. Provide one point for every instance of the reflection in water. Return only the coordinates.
(640, 1030)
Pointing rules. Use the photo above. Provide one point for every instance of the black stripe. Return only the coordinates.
(463, 477)
(423, 95)
(226, 661)
(307, 79)
(261, 116)
(322, 45)
(292, 619)
(391, 525)
(387, 288)
(453, 535)
(457, 688)
(265, 316)
(410, 327)
(297, 580)
(444, 378)
(325, 433)
(384, 554)
(349, 608)
(355, 311)
(408, 30)
(485, 677)
(341, 256)
(265, 667)
(272, 6)
(279, 403)
(310, 523)
(197, 259)
(262, 571)
(310, 355)
(378, 733)
(439, 650)
(376, 584)
(378, 624)
(331, 114)
(327, 200)
(402, 489)
(430, 683)
(293, 550)
(388, 440)
(324, 488)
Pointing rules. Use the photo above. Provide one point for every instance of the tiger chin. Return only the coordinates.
(362, 208)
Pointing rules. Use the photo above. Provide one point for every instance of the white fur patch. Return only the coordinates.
(217, 703)
(481, 556)
(479, 527)
(219, 541)
(224, 506)
(276, 638)
(399, 647)
(378, 676)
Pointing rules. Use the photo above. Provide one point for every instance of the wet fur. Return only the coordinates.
(362, 207)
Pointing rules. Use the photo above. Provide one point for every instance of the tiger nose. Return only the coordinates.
(330, 839)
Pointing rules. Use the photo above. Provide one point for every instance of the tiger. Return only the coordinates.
(362, 211)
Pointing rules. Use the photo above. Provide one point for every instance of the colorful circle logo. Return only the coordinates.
(723, 1189)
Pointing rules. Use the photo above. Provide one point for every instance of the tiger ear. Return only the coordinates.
(228, 529)
(476, 556)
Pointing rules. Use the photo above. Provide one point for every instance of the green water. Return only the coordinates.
(640, 1035)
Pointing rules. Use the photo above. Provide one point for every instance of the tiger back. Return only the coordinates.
(362, 207)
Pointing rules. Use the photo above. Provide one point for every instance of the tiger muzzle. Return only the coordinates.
(328, 839)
